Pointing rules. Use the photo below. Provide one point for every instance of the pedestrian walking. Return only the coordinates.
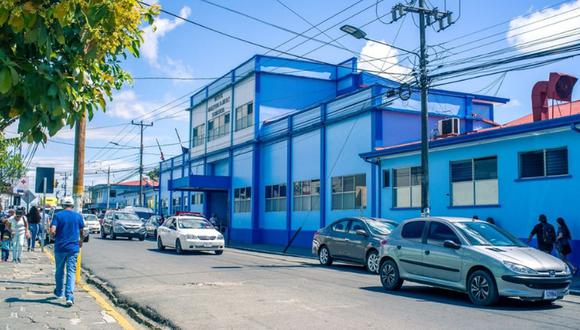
(67, 230)
(19, 229)
(6, 241)
(34, 226)
(545, 233)
(563, 238)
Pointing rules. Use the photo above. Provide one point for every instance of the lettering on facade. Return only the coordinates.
(220, 103)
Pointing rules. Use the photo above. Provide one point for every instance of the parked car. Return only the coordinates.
(151, 226)
(92, 223)
(356, 240)
(122, 224)
(189, 233)
(470, 256)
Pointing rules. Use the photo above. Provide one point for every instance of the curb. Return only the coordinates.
(271, 252)
(575, 292)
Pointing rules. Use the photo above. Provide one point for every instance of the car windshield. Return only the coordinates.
(91, 217)
(144, 215)
(482, 233)
(381, 227)
(192, 223)
(126, 216)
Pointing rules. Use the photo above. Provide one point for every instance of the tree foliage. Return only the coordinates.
(153, 174)
(61, 58)
(11, 165)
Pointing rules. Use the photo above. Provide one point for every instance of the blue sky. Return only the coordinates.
(179, 49)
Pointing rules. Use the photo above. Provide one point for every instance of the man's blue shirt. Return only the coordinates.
(68, 231)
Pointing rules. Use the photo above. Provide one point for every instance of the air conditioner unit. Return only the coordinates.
(449, 126)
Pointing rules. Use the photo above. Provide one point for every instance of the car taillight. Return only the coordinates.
(384, 242)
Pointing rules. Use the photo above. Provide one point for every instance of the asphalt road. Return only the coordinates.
(246, 290)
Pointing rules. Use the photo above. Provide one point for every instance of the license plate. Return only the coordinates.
(208, 245)
(550, 294)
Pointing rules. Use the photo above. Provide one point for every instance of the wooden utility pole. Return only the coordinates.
(79, 162)
(142, 126)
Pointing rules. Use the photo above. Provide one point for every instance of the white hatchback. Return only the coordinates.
(189, 233)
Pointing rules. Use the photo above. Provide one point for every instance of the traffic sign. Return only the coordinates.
(28, 197)
(41, 173)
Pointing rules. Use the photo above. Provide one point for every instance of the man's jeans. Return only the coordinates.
(34, 230)
(68, 260)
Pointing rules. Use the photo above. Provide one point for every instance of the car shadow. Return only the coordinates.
(349, 268)
(438, 295)
(48, 300)
(185, 253)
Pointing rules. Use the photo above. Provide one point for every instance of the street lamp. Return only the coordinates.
(360, 34)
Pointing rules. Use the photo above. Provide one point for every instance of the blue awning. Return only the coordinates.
(200, 183)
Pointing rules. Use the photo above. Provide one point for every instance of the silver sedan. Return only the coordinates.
(470, 256)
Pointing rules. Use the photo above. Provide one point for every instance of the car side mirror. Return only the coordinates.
(362, 233)
(452, 245)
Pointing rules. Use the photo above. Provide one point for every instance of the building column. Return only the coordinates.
(289, 186)
(323, 181)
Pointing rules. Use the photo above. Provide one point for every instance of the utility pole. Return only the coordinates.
(79, 162)
(142, 126)
(427, 17)
(108, 185)
(65, 179)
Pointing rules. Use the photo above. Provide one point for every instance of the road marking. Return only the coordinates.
(109, 309)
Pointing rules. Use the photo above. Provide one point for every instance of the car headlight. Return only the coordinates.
(567, 270)
(190, 236)
(220, 236)
(517, 268)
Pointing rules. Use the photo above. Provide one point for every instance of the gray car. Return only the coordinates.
(356, 240)
(122, 224)
(470, 256)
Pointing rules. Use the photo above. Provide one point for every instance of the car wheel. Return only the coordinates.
(86, 239)
(178, 248)
(372, 263)
(103, 235)
(324, 256)
(389, 274)
(142, 238)
(219, 252)
(160, 245)
(481, 288)
(112, 234)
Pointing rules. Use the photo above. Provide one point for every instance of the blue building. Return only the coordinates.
(275, 146)
(123, 194)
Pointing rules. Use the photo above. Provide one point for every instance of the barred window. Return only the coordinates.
(349, 192)
(306, 195)
(544, 163)
(407, 187)
(176, 204)
(244, 117)
(276, 198)
(198, 135)
(218, 127)
(197, 199)
(474, 182)
(242, 200)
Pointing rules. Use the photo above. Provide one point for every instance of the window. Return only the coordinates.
(198, 135)
(439, 233)
(474, 182)
(386, 178)
(407, 187)
(242, 199)
(218, 127)
(543, 163)
(276, 198)
(307, 195)
(349, 192)
(356, 225)
(112, 193)
(176, 204)
(197, 199)
(413, 230)
(244, 117)
(340, 227)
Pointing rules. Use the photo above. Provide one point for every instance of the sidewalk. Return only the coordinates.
(27, 302)
(274, 249)
(575, 286)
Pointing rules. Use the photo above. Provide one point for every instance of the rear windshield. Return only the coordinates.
(482, 233)
(126, 216)
(91, 217)
(192, 223)
(381, 227)
(144, 215)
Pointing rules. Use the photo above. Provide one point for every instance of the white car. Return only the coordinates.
(92, 223)
(189, 233)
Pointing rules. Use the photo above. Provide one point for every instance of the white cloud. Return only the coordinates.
(544, 29)
(126, 105)
(379, 57)
(152, 34)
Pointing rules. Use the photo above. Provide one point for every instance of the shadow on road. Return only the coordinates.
(443, 296)
(49, 300)
(27, 283)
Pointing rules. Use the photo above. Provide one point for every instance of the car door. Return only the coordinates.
(440, 262)
(336, 237)
(107, 223)
(355, 244)
(409, 249)
(164, 232)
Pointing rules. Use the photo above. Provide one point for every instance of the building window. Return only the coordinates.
(218, 127)
(242, 200)
(543, 163)
(198, 135)
(386, 178)
(197, 199)
(244, 117)
(407, 187)
(307, 195)
(474, 182)
(176, 204)
(349, 192)
(276, 198)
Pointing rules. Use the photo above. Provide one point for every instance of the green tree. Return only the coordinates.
(153, 174)
(11, 165)
(61, 58)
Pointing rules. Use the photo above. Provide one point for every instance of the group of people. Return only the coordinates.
(16, 228)
(548, 238)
